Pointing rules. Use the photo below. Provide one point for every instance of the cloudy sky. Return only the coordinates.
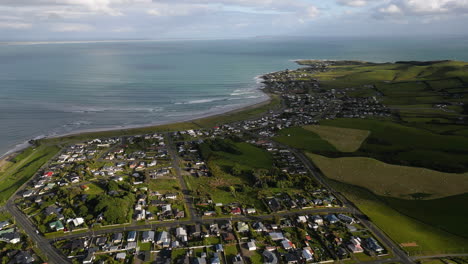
(216, 19)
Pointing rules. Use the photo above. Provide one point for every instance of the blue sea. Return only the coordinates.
(49, 89)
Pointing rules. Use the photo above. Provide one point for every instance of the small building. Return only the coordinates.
(286, 244)
(373, 245)
(275, 236)
(121, 256)
(307, 254)
(269, 257)
(56, 225)
(251, 245)
(242, 227)
(147, 236)
(219, 248)
(117, 238)
(131, 236)
(332, 219)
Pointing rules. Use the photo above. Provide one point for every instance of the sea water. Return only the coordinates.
(49, 89)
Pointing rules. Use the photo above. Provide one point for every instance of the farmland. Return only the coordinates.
(400, 144)
(343, 139)
(391, 180)
(304, 139)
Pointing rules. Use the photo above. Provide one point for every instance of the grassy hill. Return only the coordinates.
(343, 139)
(405, 145)
(446, 213)
(392, 180)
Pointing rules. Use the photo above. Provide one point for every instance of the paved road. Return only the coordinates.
(24, 223)
(52, 254)
(171, 148)
(398, 252)
(200, 221)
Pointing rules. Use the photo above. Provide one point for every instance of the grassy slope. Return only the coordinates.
(391, 180)
(399, 144)
(24, 168)
(401, 228)
(446, 213)
(298, 137)
(344, 139)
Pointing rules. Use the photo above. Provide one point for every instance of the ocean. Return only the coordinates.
(50, 89)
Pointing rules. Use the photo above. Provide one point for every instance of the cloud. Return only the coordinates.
(391, 9)
(71, 27)
(354, 3)
(425, 7)
(14, 25)
(163, 9)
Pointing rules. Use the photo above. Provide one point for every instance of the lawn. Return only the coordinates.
(94, 189)
(425, 239)
(343, 139)
(230, 251)
(391, 180)
(164, 185)
(26, 165)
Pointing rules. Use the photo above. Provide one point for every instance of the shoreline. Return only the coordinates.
(22, 146)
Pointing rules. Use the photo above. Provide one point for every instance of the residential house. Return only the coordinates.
(307, 254)
(373, 245)
(131, 236)
(147, 236)
(242, 227)
(269, 257)
(251, 245)
(354, 245)
(117, 238)
(163, 239)
(275, 236)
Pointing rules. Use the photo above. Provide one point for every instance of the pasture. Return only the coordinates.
(391, 180)
(343, 139)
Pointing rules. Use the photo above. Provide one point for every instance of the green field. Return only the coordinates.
(399, 144)
(404, 84)
(446, 213)
(343, 139)
(25, 166)
(304, 139)
(391, 180)
(403, 229)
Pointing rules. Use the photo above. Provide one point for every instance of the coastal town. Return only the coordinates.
(197, 195)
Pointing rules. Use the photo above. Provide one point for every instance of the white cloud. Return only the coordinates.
(312, 11)
(425, 7)
(391, 9)
(15, 25)
(354, 3)
(71, 27)
(162, 9)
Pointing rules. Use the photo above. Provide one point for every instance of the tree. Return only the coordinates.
(236, 170)
(112, 186)
(232, 189)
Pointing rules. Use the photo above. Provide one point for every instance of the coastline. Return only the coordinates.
(193, 119)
